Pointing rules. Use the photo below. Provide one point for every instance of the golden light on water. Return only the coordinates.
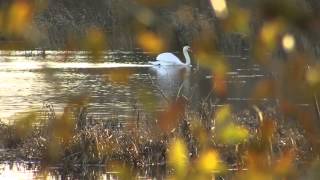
(220, 7)
(18, 83)
(15, 172)
(288, 42)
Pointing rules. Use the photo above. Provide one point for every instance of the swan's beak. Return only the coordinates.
(190, 50)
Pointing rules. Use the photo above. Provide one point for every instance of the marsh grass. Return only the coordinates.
(144, 149)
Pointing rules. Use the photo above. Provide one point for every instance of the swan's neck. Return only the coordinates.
(187, 57)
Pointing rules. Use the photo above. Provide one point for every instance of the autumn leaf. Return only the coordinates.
(151, 42)
(178, 157)
(169, 119)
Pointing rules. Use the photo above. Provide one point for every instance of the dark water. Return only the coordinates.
(116, 89)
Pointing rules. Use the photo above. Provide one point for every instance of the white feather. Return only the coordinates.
(169, 59)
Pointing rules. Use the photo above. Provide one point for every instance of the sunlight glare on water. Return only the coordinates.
(15, 172)
(28, 80)
(16, 85)
(21, 171)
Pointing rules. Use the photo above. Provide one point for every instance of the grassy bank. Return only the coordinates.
(71, 141)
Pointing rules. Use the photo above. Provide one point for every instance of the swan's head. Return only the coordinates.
(187, 48)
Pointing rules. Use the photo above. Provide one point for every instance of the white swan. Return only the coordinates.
(169, 59)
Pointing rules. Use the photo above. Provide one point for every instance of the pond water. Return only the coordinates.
(29, 171)
(115, 88)
(118, 88)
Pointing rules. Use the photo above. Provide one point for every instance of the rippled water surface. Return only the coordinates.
(116, 87)
(113, 85)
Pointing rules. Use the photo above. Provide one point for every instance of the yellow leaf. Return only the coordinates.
(19, 17)
(95, 42)
(313, 75)
(269, 33)
(170, 118)
(220, 8)
(151, 42)
(219, 84)
(199, 132)
(233, 134)
(209, 162)
(238, 20)
(213, 61)
(223, 114)
(178, 156)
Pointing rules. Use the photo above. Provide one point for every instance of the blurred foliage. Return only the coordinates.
(170, 118)
(226, 131)
(209, 162)
(191, 145)
(95, 42)
(178, 158)
(119, 75)
(150, 42)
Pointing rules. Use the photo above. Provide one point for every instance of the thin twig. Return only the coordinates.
(316, 102)
(208, 96)
(179, 91)
(259, 113)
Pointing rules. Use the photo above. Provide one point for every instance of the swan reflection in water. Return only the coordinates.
(173, 80)
(172, 73)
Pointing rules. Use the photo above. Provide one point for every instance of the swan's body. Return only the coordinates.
(169, 59)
